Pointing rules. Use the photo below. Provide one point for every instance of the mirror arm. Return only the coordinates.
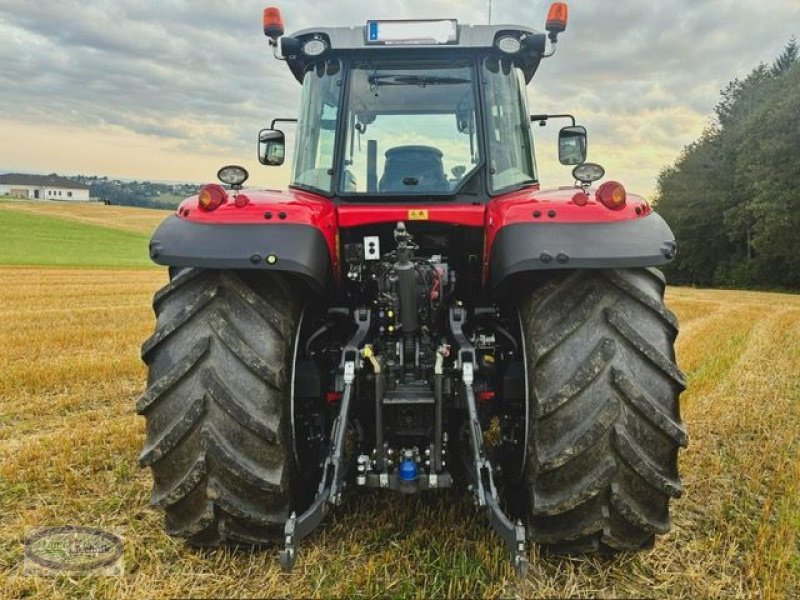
(544, 118)
(272, 126)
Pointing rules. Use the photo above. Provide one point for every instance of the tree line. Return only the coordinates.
(733, 196)
(146, 194)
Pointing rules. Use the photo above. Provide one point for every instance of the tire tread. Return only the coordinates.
(215, 406)
(605, 424)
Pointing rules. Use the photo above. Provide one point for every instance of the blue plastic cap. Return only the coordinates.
(408, 470)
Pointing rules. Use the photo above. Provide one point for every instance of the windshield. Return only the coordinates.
(316, 127)
(508, 127)
(411, 128)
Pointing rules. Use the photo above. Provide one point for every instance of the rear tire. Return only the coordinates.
(217, 406)
(604, 418)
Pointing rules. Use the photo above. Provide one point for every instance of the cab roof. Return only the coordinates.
(469, 39)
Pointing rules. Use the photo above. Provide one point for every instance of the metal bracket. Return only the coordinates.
(513, 534)
(468, 374)
(465, 350)
(349, 372)
(331, 485)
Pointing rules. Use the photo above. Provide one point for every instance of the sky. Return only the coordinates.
(172, 90)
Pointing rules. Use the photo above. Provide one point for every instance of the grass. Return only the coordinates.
(69, 442)
(32, 238)
(125, 218)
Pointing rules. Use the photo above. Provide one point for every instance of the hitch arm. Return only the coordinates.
(513, 534)
(331, 485)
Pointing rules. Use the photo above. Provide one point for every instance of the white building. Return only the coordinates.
(43, 187)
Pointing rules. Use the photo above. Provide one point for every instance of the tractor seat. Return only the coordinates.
(414, 169)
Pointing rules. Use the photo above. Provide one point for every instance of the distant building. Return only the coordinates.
(43, 187)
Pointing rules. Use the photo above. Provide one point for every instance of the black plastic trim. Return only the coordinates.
(299, 249)
(643, 242)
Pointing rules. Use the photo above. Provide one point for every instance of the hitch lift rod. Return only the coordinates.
(513, 534)
(330, 487)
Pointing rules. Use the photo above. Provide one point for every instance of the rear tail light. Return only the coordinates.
(612, 194)
(486, 396)
(211, 197)
(580, 199)
(332, 397)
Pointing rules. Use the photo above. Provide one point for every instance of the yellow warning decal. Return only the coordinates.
(417, 215)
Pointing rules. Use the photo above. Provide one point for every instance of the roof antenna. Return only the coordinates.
(490, 12)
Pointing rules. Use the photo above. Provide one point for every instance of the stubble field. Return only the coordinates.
(69, 441)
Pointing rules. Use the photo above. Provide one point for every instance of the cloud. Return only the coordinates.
(197, 78)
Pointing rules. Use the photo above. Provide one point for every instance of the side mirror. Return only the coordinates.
(572, 142)
(271, 147)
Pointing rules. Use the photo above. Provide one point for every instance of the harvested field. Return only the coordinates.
(69, 440)
(125, 218)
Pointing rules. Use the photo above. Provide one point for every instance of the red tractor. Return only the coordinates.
(415, 313)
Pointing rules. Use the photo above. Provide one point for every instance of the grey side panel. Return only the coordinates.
(300, 249)
(644, 242)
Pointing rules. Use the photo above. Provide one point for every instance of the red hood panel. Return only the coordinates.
(521, 206)
(470, 215)
(529, 205)
(263, 206)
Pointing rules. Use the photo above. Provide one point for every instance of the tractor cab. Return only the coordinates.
(427, 109)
